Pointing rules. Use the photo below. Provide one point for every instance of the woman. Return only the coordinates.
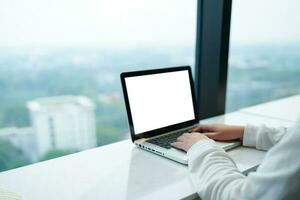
(216, 176)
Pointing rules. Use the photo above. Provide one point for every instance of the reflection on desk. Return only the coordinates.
(162, 174)
(146, 177)
(283, 109)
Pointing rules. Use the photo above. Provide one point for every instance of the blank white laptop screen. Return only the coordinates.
(159, 100)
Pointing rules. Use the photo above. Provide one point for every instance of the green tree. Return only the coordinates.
(16, 115)
(11, 156)
(107, 135)
(55, 153)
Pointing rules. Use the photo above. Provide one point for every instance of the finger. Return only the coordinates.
(178, 145)
(186, 134)
(194, 133)
(203, 128)
(181, 138)
(196, 129)
(212, 135)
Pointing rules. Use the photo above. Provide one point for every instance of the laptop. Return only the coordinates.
(161, 106)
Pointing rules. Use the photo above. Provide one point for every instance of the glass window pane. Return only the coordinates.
(60, 62)
(264, 61)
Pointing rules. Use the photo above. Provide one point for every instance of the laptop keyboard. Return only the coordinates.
(166, 140)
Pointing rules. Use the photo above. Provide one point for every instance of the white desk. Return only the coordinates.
(121, 171)
(286, 109)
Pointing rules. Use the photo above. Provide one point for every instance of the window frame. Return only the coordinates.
(211, 56)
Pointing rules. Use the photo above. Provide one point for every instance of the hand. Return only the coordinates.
(221, 131)
(187, 140)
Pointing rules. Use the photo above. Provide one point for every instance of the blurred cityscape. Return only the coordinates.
(261, 73)
(57, 101)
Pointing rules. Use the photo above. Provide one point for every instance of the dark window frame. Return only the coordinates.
(211, 57)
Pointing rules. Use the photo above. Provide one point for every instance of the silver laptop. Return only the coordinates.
(161, 106)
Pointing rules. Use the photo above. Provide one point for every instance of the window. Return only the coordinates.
(264, 60)
(60, 62)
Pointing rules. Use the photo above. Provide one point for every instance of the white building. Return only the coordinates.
(63, 122)
(21, 138)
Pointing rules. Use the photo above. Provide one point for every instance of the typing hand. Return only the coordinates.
(187, 140)
(220, 131)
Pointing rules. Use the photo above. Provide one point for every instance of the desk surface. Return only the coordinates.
(121, 171)
(286, 109)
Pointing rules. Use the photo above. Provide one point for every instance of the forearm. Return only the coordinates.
(213, 172)
(215, 175)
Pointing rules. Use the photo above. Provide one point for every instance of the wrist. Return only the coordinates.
(240, 132)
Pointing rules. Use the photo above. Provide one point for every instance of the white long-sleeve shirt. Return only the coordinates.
(215, 175)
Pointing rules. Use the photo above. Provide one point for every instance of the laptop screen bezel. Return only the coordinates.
(166, 129)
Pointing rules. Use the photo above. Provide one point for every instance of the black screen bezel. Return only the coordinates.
(162, 130)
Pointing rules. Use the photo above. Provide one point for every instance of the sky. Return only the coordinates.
(123, 23)
(97, 22)
(265, 21)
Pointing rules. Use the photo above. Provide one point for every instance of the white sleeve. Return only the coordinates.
(213, 172)
(216, 177)
(262, 137)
